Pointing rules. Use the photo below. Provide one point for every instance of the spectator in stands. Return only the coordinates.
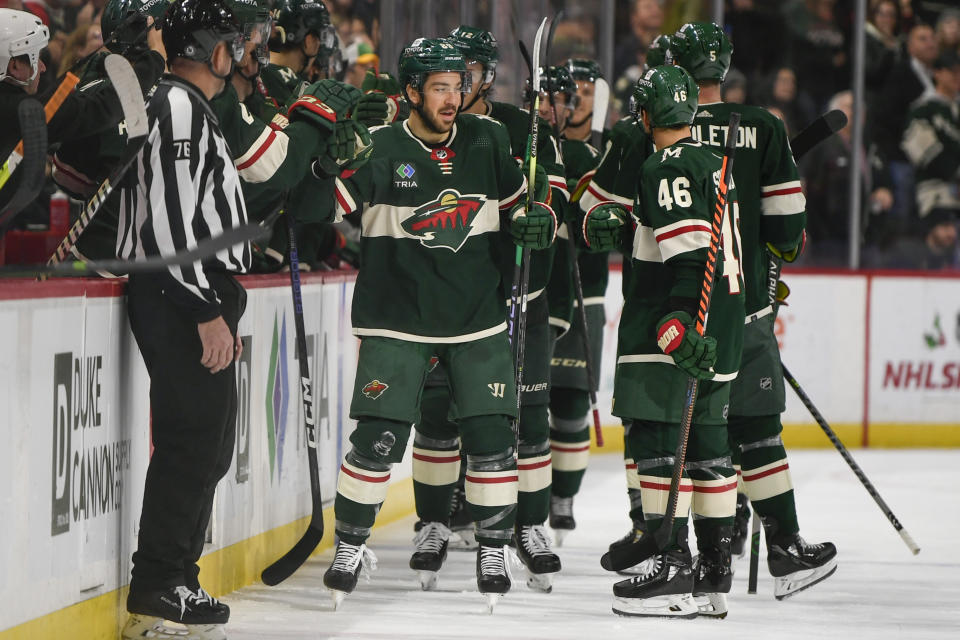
(818, 49)
(90, 12)
(84, 40)
(882, 46)
(908, 80)
(756, 57)
(932, 144)
(358, 58)
(936, 249)
(734, 88)
(826, 173)
(948, 31)
(646, 23)
(782, 92)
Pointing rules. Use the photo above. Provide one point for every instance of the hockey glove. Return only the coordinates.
(384, 83)
(348, 148)
(602, 226)
(692, 353)
(534, 229)
(792, 254)
(541, 184)
(324, 103)
(382, 102)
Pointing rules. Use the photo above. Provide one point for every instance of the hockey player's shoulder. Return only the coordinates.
(479, 121)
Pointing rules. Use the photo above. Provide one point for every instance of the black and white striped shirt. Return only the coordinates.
(187, 189)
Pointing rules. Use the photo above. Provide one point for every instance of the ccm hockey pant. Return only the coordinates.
(387, 397)
(709, 484)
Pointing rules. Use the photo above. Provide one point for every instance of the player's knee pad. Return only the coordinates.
(569, 404)
(714, 487)
(435, 462)
(480, 434)
(363, 479)
(380, 439)
(534, 423)
(745, 429)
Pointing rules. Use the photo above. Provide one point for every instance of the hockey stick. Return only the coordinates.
(125, 83)
(33, 127)
(575, 269)
(205, 248)
(649, 545)
(296, 556)
(754, 553)
(817, 131)
(857, 471)
(521, 271)
(601, 99)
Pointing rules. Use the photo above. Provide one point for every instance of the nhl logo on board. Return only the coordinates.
(374, 389)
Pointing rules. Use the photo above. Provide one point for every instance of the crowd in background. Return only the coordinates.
(792, 56)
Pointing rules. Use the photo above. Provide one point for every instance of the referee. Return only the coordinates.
(185, 319)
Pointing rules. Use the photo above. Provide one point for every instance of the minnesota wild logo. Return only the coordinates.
(445, 222)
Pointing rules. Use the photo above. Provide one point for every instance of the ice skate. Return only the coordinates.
(632, 537)
(741, 526)
(463, 536)
(348, 562)
(662, 589)
(712, 575)
(533, 548)
(561, 517)
(797, 565)
(175, 612)
(429, 553)
(493, 573)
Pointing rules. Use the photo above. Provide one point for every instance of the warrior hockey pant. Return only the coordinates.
(193, 429)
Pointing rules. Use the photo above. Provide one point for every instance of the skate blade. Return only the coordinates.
(492, 600)
(711, 605)
(463, 540)
(337, 597)
(672, 606)
(428, 580)
(794, 583)
(542, 582)
(559, 535)
(141, 626)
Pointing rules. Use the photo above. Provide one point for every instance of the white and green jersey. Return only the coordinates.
(674, 212)
(772, 204)
(932, 143)
(430, 225)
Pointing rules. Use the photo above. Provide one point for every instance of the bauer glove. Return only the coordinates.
(533, 229)
(324, 103)
(693, 353)
(792, 254)
(541, 184)
(603, 225)
(348, 148)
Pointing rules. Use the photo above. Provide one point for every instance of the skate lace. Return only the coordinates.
(562, 506)
(535, 540)
(803, 546)
(496, 561)
(350, 555)
(204, 597)
(186, 597)
(648, 568)
(431, 537)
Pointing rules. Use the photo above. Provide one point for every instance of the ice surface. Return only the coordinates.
(879, 590)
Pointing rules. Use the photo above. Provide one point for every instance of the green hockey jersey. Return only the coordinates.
(772, 204)
(281, 82)
(430, 232)
(932, 143)
(674, 211)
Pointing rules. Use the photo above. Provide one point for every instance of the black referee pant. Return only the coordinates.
(194, 427)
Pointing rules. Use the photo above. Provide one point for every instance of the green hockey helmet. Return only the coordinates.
(256, 23)
(659, 52)
(295, 19)
(424, 56)
(584, 69)
(669, 96)
(192, 29)
(703, 49)
(477, 45)
(555, 79)
(124, 22)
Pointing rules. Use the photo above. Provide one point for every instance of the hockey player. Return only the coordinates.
(430, 201)
(433, 487)
(614, 182)
(659, 349)
(569, 393)
(181, 313)
(772, 215)
(302, 37)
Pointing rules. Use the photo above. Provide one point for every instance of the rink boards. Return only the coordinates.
(878, 353)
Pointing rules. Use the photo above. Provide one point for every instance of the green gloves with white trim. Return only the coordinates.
(603, 225)
(533, 229)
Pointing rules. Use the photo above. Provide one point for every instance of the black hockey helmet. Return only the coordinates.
(193, 28)
(294, 20)
(124, 22)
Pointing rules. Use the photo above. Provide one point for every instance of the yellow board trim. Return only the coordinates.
(223, 571)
